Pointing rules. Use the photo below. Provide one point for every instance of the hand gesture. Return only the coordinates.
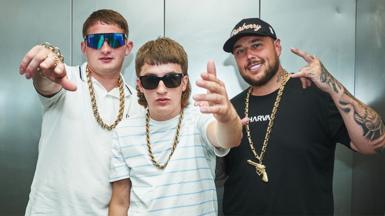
(42, 62)
(317, 73)
(215, 101)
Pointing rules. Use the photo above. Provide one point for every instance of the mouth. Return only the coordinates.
(162, 100)
(254, 66)
(106, 59)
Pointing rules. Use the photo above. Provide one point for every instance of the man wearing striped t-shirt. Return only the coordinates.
(164, 159)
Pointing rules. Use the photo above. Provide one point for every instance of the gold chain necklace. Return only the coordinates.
(149, 149)
(259, 167)
(94, 105)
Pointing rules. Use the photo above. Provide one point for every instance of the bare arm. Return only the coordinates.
(120, 198)
(47, 71)
(364, 125)
(226, 131)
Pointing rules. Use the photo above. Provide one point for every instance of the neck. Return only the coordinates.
(109, 80)
(162, 116)
(272, 85)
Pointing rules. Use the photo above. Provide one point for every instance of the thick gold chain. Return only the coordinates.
(176, 141)
(271, 122)
(95, 107)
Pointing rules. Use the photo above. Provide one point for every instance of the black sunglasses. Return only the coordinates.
(114, 40)
(170, 80)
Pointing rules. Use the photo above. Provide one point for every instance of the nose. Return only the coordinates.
(105, 47)
(161, 89)
(250, 53)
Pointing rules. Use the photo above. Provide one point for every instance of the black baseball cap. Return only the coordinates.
(248, 27)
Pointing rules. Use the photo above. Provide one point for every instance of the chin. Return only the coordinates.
(262, 80)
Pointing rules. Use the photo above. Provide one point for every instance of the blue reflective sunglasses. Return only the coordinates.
(114, 40)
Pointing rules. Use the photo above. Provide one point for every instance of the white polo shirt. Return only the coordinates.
(71, 176)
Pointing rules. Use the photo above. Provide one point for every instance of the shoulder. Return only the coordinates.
(130, 90)
(239, 97)
(134, 122)
(134, 108)
(195, 119)
(294, 86)
(311, 98)
(191, 111)
(239, 101)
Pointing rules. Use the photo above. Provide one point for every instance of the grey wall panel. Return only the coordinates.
(202, 27)
(368, 197)
(22, 25)
(324, 28)
(145, 20)
(327, 30)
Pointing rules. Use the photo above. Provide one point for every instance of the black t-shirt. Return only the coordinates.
(299, 158)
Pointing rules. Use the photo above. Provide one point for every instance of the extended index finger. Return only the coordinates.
(306, 56)
(27, 59)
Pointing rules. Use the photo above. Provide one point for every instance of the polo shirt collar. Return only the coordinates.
(114, 92)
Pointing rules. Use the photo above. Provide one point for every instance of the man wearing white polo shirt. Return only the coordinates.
(81, 105)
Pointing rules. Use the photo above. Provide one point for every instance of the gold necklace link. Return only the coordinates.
(95, 107)
(271, 122)
(154, 161)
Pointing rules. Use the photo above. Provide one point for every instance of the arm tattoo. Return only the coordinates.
(327, 78)
(371, 124)
(369, 120)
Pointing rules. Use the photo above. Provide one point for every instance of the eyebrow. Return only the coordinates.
(255, 40)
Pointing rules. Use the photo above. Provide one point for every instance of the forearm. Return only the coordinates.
(365, 126)
(228, 133)
(117, 208)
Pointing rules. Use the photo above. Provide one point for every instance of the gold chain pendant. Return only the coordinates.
(259, 167)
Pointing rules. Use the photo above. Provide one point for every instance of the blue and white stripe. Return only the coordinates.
(186, 186)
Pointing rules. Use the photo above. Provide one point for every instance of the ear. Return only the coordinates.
(185, 81)
(277, 46)
(139, 84)
(129, 46)
(83, 47)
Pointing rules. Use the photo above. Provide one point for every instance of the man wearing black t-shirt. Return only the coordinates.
(284, 165)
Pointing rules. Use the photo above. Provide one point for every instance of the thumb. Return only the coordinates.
(67, 84)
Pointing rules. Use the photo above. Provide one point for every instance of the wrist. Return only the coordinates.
(230, 116)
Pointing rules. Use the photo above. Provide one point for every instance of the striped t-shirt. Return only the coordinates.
(186, 186)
